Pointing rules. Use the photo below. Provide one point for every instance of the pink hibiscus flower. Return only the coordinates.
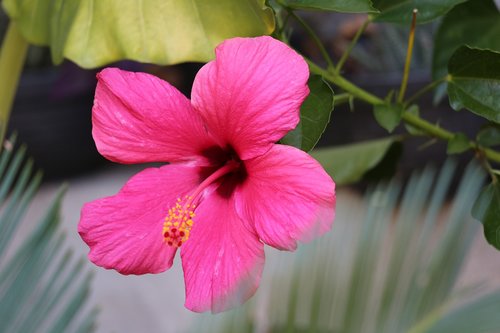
(228, 190)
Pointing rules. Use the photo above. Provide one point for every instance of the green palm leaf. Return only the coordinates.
(389, 268)
(42, 288)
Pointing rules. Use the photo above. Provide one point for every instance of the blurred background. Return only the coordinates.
(53, 103)
(52, 116)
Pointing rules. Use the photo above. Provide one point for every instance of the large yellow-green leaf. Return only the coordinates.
(347, 6)
(93, 33)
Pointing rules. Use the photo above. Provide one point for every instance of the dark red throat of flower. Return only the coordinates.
(179, 220)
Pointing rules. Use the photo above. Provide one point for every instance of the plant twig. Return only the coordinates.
(411, 119)
(353, 43)
(315, 37)
(345, 84)
(481, 156)
(409, 51)
(427, 127)
(425, 89)
(12, 56)
(281, 26)
(342, 98)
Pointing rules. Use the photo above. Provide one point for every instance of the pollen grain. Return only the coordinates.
(178, 222)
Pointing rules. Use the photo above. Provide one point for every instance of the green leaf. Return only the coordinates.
(348, 163)
(487, 210)
(387, 167)
(489, 136)
(458, 144)
(345, 6)
(475, 23)
(314, 115)
(474, 82)
(95, 33)
(413, 109)
(400, 11)
(388, 115)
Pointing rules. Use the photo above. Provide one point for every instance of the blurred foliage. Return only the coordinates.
(43, 288)
(96, 33)
(384, 50)
(381, 270)
(470, 73)
(349, 163)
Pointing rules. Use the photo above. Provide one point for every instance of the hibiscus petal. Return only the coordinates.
(250, 95)
(222, 260)
(125, 231)
(286, 197)
(139, 118)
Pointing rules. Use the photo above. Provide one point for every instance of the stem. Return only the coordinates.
(487, 166)
(281, 25)
(411, 119)
(285, 22)
(345, 84)
(491, 154)
(12, 56)
(315, 37)
(342, 98)
(427, 127)
(425, 89)
(414, 120)
(409, 51)
(354, 41)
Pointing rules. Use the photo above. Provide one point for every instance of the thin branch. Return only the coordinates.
(425, 89)
(409, 52)
(353, 43)
(343, 98)
(411, 119)
(315, 37)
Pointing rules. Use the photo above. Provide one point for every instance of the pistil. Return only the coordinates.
(179, 220)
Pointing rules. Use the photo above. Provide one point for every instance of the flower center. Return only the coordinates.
(179, 220)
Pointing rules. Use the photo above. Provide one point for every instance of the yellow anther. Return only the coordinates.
(178, 222)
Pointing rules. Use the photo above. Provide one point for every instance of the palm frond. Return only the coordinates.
(42, 288)
(390, 267)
